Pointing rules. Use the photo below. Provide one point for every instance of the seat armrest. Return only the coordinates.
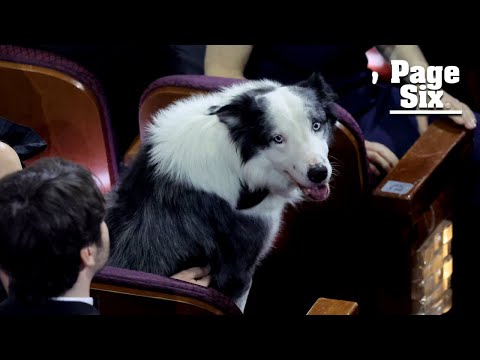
(132, 151)
(324, 306)
(419, 175)
(130, 292)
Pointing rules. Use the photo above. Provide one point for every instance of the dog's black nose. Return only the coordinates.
(317, 173)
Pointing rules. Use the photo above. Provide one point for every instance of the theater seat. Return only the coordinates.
(62, 102)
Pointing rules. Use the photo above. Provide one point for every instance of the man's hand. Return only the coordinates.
(380, 157)
(467, 118)
(195, 275)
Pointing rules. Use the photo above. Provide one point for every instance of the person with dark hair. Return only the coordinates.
(53, 240)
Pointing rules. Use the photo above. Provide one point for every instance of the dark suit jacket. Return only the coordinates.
(11, 307)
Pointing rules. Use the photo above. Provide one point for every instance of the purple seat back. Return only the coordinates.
(197, 82)
(145, 281)
(27, 56)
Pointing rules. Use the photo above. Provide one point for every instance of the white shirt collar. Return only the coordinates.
(87, 300)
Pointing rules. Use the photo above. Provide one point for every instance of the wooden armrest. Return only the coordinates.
(132, 151)
(414, 182)
(324, 306)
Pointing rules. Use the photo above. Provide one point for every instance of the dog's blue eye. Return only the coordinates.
(278, 139)
(316, 126)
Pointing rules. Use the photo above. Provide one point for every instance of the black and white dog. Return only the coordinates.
(214, 175)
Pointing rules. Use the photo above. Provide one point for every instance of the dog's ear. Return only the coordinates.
(322, 89)
(231, 114)
(229, 109)
(227, 114)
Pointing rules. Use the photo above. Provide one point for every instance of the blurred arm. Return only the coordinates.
(227, 60)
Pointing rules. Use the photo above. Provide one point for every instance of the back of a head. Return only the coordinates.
(48, 213)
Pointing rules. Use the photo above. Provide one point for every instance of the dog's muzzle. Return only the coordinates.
(318, 192)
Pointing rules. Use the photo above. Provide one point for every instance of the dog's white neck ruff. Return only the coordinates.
(197, 153)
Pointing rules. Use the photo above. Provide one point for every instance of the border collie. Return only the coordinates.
(214, 175)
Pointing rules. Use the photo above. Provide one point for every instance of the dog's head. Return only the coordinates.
(283, 135)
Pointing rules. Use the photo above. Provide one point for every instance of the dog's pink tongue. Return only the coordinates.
(318, 193)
